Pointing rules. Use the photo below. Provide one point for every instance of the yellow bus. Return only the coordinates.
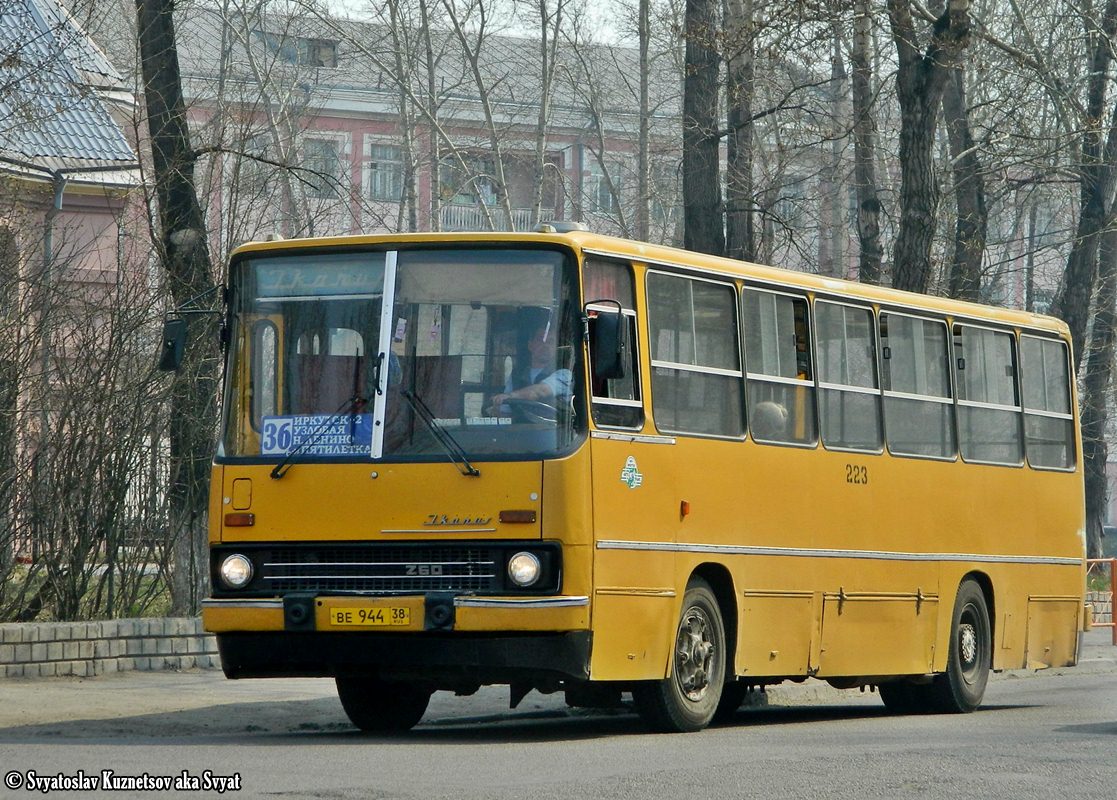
(569, 462)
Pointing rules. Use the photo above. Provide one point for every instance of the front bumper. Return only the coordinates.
(446, 660)
(471, 614)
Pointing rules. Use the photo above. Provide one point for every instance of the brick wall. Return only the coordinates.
(46, 649)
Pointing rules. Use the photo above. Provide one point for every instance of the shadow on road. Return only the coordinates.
(321, 720)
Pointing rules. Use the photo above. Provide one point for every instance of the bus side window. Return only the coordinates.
(780, 389)
(988, 400)
(918, 405)
(695, 356)
(1048, 417)
(616, 402)
(849, 394)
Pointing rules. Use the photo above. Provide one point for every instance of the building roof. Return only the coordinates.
(274, 47)
(51, 117)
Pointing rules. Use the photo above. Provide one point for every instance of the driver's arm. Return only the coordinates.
(539, 392)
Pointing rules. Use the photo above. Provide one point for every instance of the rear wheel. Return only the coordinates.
(961, 688)
(379, 706)
(688, 698)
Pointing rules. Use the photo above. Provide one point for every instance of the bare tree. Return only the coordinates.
(182, 247)
(864, 144)
(969, 191)
(739, 217)
(702, 204)
(1099, 153)
(920, 80)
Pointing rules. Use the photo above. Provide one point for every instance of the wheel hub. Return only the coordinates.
(694, 655)
(967, 642)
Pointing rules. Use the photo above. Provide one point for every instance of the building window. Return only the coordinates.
(603, 190)
(323, 168)
(470, 187)
(318, 52)
(298, 49)
(384, 168)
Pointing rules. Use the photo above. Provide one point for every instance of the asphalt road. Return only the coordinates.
(1039, 735)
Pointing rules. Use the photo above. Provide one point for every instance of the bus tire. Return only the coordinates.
(688, 697)
(960, 689)
(901, 697)
(378, 706)
(732, 698)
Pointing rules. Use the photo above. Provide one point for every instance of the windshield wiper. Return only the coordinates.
(348, 407)
(448, 442)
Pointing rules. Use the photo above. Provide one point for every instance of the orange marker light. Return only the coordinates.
(684, 509)
(240, 520)
(521, 516)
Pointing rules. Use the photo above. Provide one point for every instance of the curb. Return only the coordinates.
(85, 649)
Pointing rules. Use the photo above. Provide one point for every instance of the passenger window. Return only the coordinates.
(696, 370)
(988, 402)
(1048, 421)
(616, 402)
(918, 407)
(780, 389)
(849, 395)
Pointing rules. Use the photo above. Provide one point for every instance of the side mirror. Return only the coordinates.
(609, 344)
(173, 346)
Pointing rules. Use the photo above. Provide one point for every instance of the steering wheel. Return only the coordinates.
(532, 411)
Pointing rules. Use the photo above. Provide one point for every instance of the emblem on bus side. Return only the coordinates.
(631, 475)
(437, 520)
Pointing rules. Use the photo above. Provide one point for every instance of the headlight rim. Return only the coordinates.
(534, 558)
(249, 573)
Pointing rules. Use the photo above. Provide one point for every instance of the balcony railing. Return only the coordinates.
(472, 218)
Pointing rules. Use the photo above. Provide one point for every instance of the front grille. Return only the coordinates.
(413, 569)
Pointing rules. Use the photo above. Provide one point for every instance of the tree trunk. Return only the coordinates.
(864, 145)
(643, 158)
(1095, 391)
(969, 192)
(702, 208)
(740, 235)
(920, 79)
(186, 263)
(831, 242)
(550, 25)
(1072, 300)
(408, 214)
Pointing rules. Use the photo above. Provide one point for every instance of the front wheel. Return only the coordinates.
(687, 699)
(379, 706)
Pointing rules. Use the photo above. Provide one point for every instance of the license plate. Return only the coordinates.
(370, 617)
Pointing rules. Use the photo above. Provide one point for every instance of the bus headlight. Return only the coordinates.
(236, 571)
(524, 569)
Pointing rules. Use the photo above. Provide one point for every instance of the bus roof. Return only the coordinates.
(652, 255)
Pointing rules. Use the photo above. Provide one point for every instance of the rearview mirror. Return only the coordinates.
(609, 343)
(173, 346)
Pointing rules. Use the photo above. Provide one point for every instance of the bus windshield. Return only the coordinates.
(355, 355)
